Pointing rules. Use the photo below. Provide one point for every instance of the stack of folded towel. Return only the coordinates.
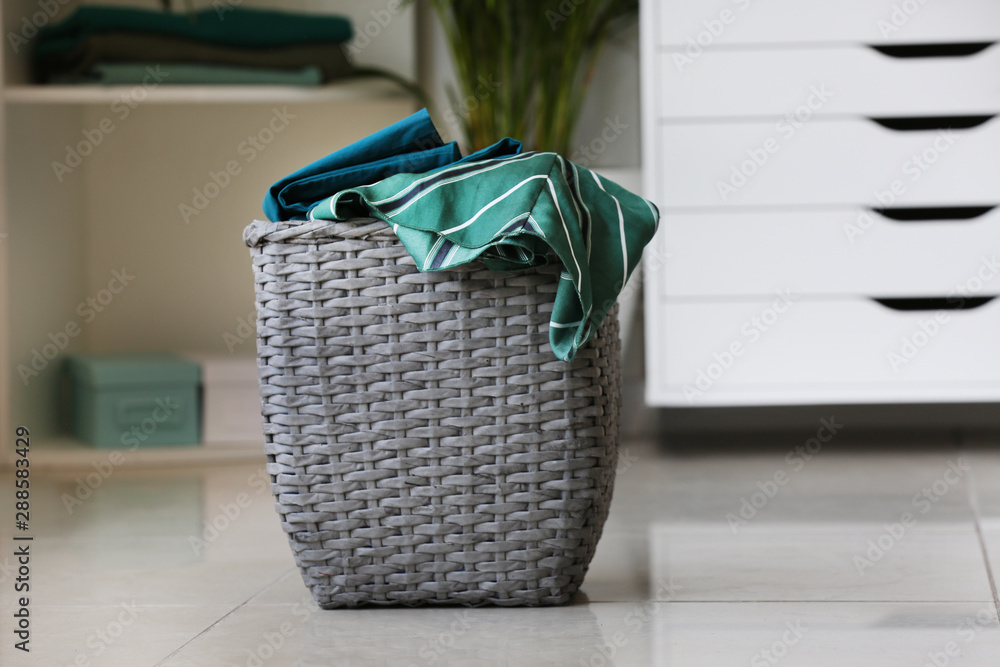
(507, 209)
(116, 45)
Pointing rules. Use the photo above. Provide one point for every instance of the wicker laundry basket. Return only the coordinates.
(424, 443)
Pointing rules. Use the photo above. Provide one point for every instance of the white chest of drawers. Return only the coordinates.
(828, 175)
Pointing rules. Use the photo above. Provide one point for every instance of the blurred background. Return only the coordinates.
(772, 154)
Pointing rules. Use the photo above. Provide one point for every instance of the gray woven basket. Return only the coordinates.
(424, 443)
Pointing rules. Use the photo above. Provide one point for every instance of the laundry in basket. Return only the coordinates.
(439, 370)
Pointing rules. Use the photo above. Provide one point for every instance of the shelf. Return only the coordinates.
(205, 94)
(65, 453)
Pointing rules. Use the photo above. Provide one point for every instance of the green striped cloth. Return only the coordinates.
(511, 213)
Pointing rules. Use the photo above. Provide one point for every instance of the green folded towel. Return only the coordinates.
(121, 74)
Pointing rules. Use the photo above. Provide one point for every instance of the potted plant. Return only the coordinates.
(541, 52)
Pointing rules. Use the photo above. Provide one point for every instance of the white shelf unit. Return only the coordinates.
(813, 246)
(64, 232)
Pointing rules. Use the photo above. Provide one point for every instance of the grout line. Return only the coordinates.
(976, 519)
(221, 619)
(780, 601)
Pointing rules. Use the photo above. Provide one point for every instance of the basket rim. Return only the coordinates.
(261, 232)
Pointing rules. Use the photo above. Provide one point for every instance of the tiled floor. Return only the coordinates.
(864, 554)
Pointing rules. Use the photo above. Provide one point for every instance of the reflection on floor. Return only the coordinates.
(856, 552)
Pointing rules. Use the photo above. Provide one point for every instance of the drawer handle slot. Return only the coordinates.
(945, 50)
(925, 213)
(916, 123)
(934, 303)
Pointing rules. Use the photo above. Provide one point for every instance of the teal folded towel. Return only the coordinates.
(248, 28)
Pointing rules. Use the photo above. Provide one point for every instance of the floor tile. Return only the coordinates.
(824, 634)
(123, 634)
(991, 545)
(153, 571)
(294, 635)
(619, 571)
(985, 458)
(709, 557)
(801, 563)
(831, 488)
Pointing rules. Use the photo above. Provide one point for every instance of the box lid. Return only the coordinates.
(108, 370)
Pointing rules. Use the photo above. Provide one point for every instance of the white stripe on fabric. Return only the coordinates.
(560, 325)
(589, 218)
(621, 229)
(537, 227)
(569, 239)
(433, 253)
(494, 203)
(449, 181)
(652, 211)
(488, 165)
(565, 174)
(500, 233)
(450, 256)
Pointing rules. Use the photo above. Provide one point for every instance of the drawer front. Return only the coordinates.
(823, 161)
(901, 252)
(725, 22)
(837, 351)
(850, 79)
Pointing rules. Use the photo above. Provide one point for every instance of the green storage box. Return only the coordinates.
(132, 401)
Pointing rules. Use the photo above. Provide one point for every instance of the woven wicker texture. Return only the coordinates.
(424, 443)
